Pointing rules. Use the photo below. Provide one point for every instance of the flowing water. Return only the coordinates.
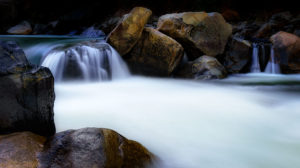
(244, 121)
(273, 66)
(255, 66)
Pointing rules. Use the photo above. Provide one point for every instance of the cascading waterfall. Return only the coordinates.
(88, 61)
(273, 65)
(255, 67)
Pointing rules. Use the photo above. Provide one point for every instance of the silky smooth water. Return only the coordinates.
(191, 124)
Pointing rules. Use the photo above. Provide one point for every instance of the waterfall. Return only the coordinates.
(273, 65)
(255, 67)
(87, 61)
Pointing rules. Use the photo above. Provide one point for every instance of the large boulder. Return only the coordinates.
(20, 150)
(155, 54)
(129, 30)
(287, 49)
(203, 68)
(93, 147)
(238, 55)
(22, 28)
(27, 93)
(198, 32)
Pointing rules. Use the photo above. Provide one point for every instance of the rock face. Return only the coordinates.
(93, 147)
(129, 30)
(23, 28)
(19, 150)
(198, 32)
(155, 54)
(205, 67)
(238, 55)
(27, 93)
(287, 48)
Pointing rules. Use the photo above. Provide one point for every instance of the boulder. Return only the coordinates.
(27, 93)
(22, 28)
(205, 67)
(231, 15)
(238, 55)
(275, 23)
(198, 32)
(19, 150)
(129, 30)
(93, 147)
(155, 54)
(287, 49)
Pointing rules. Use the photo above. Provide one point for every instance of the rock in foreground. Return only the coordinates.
(129, 30)
(205, 67)
(155, 54)
(93, 147)
(198, 32)
(19, 150)
(27, 94)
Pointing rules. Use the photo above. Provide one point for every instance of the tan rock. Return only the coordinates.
(198, 32)
(129, 30)
(23, 28)
(19, 150)
(155, 54)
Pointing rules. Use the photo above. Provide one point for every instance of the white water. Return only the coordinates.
(273, 66)
(188, 124)
(97, 61)
(255, 67)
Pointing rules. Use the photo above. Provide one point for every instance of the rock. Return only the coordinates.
(231, 15)
(109, 24)
(23, 28)
(198, 32)
(297, 32)
(287, 48)
(205, 67)
(93, 147)
(19, 150)
(245, 30)
(276, 23)
(155, 54)
(238, 55)
(129, 30)
(27, 93)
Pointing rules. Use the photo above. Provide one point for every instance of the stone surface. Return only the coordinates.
(95, 148)
(27, 93)
(198, 32)
(19, 150)
(22, 28)
(238, 55)
(205, 67)
(155, 54)
(129, 30)
(287, 49)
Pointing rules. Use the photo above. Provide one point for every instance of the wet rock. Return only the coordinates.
(205, 67)
(22, 28)
(245, 30)
(27, 93)
(238, 55)
(155, 54)
(198, 32)
(93, 147)
(19, 150)
(129, 30)
(109, 24)
(287, 48)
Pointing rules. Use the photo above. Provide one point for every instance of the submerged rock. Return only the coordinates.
(205, 67)
(23, 28)
(27, 93)
(129, 30)
(198, 32)
(287, 48)
(238, 55)
(93, 147)
(19, 150)
(155, 54)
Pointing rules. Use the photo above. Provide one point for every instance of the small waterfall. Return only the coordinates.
(255, 67)
(88, 61)
(273, 65)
